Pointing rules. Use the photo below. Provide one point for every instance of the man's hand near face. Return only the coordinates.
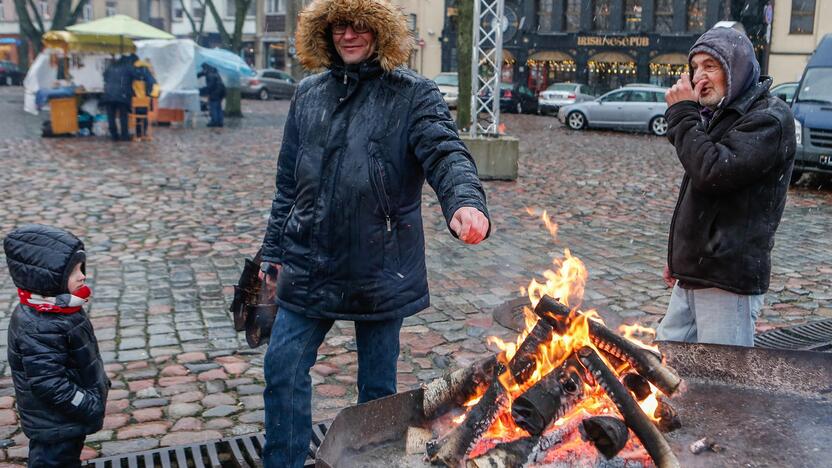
(684, 91)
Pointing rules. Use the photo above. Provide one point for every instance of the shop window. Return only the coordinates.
(664, 16)
(632, 15)
(572, 21)
(601, 18)
(803, 17)
(696, 15)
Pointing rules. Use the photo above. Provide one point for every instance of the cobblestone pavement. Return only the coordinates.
(168, 222)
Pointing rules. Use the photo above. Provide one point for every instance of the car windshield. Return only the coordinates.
(561, 87)
(816, 86)
(447, 80)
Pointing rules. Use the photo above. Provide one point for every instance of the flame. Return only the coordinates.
(566, 282)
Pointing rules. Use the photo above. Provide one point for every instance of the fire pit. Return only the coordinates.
(756, 407)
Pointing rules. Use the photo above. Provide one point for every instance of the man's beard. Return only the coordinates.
(712, 100)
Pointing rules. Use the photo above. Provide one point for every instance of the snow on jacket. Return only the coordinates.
(59, 378)
(737, 171)
(358, 145)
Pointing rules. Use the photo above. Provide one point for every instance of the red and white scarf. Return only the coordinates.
(60, 304)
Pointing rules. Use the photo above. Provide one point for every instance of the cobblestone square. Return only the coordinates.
(167, 224)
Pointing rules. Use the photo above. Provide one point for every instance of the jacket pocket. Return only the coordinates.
(381, 189)
(298, 159)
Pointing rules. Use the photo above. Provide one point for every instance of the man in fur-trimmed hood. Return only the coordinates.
(345, 231)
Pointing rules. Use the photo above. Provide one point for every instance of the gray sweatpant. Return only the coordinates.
(710, 316)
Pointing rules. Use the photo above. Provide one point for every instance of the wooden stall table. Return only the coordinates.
(63, 113)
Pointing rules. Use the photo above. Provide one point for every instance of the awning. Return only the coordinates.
(671, 59)
(612, 57)
(550, 56)
(8, 40)
(91, 43)
(121, 25)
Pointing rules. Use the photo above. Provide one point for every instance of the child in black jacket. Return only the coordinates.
(58, 375)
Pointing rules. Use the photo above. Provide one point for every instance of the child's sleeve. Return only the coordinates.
(45, 355)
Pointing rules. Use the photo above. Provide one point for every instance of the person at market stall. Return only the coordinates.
(736, 144)
(144, 86)
(118, 93)
(214, 89)
(345, 230)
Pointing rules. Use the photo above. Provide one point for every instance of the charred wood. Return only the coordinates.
(608, 434)
(512, 454)
(451, 448)
(637, 384)
(454, 389)
(644, 429)
(548, 400)
(666, 414)
(643, 361)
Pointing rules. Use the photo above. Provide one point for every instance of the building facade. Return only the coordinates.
(797, 28)
(605, 43)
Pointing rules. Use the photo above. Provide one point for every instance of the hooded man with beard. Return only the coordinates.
(736, 144)
(345, 230)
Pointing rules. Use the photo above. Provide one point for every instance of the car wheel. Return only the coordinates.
(659, 126)
(263, 94)
(576, 120)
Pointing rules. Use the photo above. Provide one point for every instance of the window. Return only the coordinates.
(111, 8)
(618, 96)
(275, 6)
(658, 97)
(601, 20)
(231, 8)
(2, 11)
(632, 15)
(197, 10)
(411, 22)
(803, 17)
(664, 16)
(177, 11)
(572, 21)
(87, 14)
(641, 96)
(696, 15)
(43, 9)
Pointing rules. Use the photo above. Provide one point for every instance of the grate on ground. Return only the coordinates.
(812, 336)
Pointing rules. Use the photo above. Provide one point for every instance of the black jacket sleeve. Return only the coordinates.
(45, 354)
(284, 195)
(449, 168)
(746, 152)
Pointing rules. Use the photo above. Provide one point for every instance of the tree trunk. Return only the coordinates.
(293, 8)
(464, 49)
(233, 107)
(27, 28)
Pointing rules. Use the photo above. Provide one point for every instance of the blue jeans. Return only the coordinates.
(215, 111)
(710, 316)
(293, 349)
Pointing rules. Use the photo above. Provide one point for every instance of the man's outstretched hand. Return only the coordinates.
(470, 225)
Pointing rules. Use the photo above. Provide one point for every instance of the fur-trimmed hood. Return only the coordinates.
(314, 43)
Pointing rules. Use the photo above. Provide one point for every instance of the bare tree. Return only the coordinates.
(32, 23)
(234, 42)
(196, 33)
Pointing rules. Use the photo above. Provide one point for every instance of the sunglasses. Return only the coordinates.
(357, 27)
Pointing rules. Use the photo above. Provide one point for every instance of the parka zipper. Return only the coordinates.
(384, 199)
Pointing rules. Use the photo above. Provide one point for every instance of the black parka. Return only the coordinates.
(737, 171)
(346, 222)
(59, 378)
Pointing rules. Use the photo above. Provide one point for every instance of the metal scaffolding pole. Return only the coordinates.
(486, 64)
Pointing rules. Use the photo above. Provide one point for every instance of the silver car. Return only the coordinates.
(448, 83)
(270, 83)
(631, 107)
(558, 95)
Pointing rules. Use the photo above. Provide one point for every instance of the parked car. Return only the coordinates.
(10, 73)
(270, 83)
(785, 91)
(449, 87)
(812, 108)
(562, 94)
(631, 107)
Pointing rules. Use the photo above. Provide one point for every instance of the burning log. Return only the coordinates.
(415, 440)
(548, 400)
(608, 434)
(512, 454)
(645, 430)
(451, 448)
(666, 414)
(637, 384)
(455, 388)
(645, 362)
